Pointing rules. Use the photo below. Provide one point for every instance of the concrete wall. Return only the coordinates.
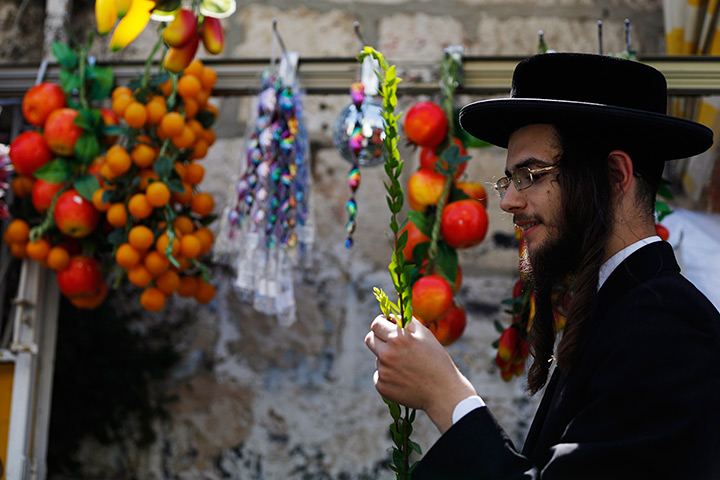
(254, 400)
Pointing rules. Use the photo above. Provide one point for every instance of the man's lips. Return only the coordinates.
(526, 224)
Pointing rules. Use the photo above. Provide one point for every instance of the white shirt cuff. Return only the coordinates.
(466, 406)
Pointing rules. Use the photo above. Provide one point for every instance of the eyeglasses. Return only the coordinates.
(522, 178)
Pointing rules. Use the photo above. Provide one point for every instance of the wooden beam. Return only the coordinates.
(686, 75)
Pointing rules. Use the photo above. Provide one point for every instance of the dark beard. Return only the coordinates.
(552, 262)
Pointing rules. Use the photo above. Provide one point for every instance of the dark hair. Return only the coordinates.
(586, 185)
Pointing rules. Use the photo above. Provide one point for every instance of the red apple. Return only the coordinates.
(474, 190)
(464, 223)
(43, 193)
(425, 188)
(75, 216)
(28, 152)
(425, 124)
(448, 328)
(432, 297)
(40, 100)
(415, 237)
(82, 278)
(92, 301)
(60, 131)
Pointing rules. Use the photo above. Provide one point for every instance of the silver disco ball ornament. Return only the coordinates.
(361, 131)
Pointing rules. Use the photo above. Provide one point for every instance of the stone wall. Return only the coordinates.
(254, 400)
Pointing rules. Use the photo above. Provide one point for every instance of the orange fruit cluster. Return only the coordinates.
(153, 228)
(160, 211)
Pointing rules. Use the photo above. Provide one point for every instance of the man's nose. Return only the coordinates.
(513, 200)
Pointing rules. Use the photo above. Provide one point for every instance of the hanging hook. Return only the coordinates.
(627, 34)
(600, 39)
(359, 35)
(278, 37)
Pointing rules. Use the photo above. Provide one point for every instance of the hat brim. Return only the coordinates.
(663, 137)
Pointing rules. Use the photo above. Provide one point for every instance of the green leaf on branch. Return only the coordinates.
(102, 83)
(69, 82)
(64, 55)
(664, 190)
(89, 119)
(163, 166)
(87, 147)
(422, 222)
(86, 186)
(447, 261)
(420, 251)
(176, 185)
(662, 210)
(55, 171)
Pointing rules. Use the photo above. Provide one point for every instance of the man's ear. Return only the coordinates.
(621, 170)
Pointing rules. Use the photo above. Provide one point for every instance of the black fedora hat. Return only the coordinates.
(622, 101)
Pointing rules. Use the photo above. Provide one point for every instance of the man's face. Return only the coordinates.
(536, 210)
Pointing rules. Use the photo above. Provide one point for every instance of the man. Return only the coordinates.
(635, 386)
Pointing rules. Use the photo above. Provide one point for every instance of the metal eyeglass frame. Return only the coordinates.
(502, 185)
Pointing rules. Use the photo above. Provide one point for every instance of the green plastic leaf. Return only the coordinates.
(163, 166)
(662, 210)
(422, 222)
(117, 237)
(64, 55)
(498, 326)
(218, 8)
(55, 171)
(87, 147)
(447, 261)
(175, 185)
(664, 190)
(102, 82)
(89, 119)
(420, 251)
(86, 186)
(207, 220)
(112, 130)
(69, 82)
(206, 118)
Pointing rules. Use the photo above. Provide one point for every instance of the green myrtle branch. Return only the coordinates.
(401, 427)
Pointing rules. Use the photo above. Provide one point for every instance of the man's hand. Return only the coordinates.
(413, 369)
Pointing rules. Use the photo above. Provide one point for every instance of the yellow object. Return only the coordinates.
(132, 24)
(7, 371)
(106, 14)
(123, 7)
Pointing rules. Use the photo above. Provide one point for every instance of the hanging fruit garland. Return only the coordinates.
(447, 214)
(104, 195)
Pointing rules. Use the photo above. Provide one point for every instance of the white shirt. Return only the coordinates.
(469, 404)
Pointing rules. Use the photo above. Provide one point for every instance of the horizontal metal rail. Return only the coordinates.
(686, 75)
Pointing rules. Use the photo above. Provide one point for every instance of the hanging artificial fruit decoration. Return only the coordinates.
(359, 134)
(186, 28)
(109, 196)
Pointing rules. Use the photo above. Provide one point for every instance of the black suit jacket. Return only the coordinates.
(642, 401)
